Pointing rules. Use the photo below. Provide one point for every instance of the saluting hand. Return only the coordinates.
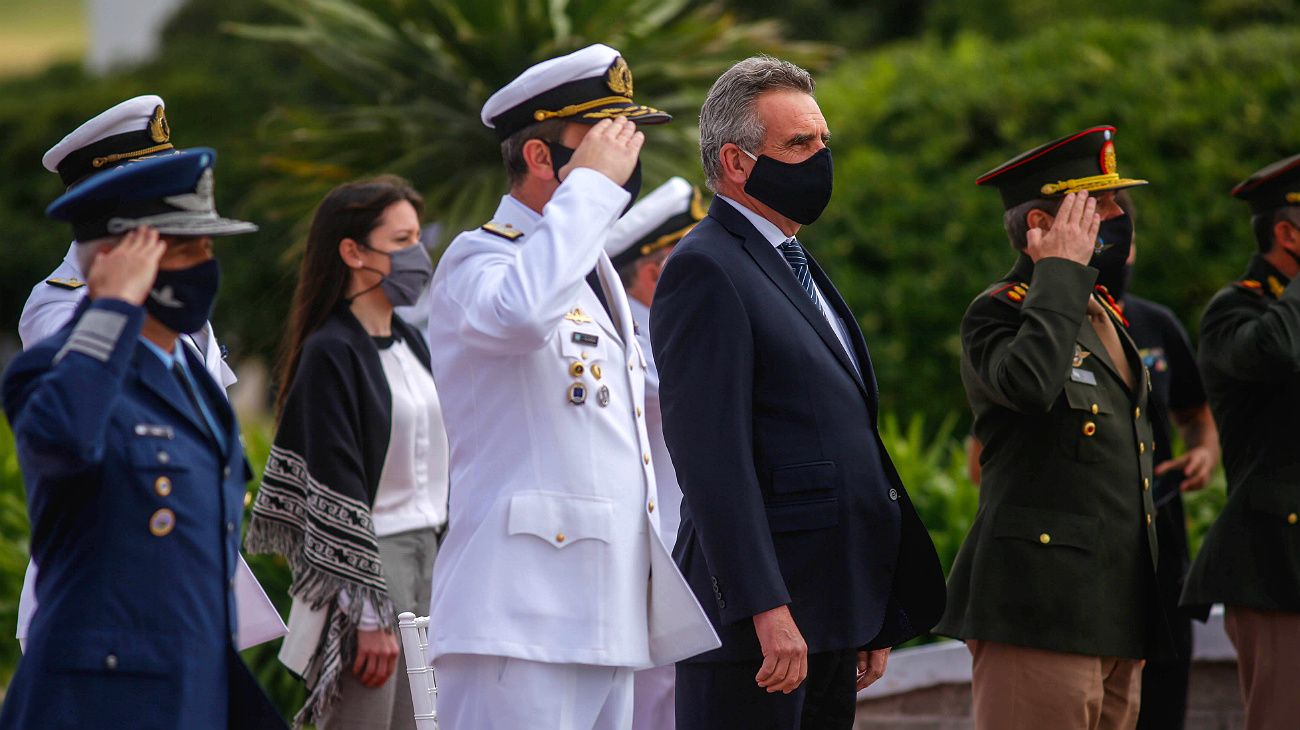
(1073, 234)
(127, 271)
(610, 148)
(785, 655)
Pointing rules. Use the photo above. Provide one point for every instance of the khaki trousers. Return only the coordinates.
(1017, 687)
(1268, 665)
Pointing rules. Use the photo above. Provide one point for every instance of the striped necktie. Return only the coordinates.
(797, 258)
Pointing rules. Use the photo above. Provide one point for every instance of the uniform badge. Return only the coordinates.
(582, 338)
(1079, 355)
(1276, 287)
(162, 522)
(595, 372)
(577, 315)
(619, 78)
(72, 284)
(577, 394)
(1079, 375)
(602, 396)
(154, 430)
(504, 230)
(576, 369)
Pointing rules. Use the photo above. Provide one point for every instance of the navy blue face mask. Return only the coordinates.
(560, 156)
(182, 299)
(1110, 256)
(799, 191)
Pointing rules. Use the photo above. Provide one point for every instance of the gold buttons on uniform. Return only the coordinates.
(1137, 412)
(1148, 519)
(584, 356)
(163, 486)
(1044, 538)
(1142, 447)
(1089, 428)
(646, 457)
(651, 506)
(1095, 409)
(559, 537)
(577, 369)
(638, 411)
(1292, 518)
(162, 522)
(1146, 483)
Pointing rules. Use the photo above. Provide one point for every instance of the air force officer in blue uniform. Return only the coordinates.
(134, 473)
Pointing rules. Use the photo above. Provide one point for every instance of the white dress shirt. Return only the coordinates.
(768, 230)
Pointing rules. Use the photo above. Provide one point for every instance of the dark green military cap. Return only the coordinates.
(1082, 161)
(1271, 187)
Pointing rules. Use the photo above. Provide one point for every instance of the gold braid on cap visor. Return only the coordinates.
(574, 109)
(1095, 182)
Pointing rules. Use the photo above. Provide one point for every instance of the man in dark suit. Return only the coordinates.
(796, 535)
(1250, 358)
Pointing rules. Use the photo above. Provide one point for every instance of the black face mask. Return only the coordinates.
(182, 300)
(560, 156)
(799, 191)
(1110, 257)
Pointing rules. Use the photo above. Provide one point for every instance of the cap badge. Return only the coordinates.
(199, 201)
(1108, 163)
(619, 79)
(577, 315)
(159, 130)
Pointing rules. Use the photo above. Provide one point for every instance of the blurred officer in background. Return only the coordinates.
(135, 473)
(1250, 359)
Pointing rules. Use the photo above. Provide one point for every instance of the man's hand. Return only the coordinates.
(376, 657)
(1073, 234)
(610, 148)
(126, 271)
(1197, 466)
(871, 666)
(785, 655)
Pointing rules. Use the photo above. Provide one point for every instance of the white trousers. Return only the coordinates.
(653, 699)
(482, 692)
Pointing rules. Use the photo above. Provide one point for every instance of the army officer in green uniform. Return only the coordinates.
(1250, 360)
(1054, 588)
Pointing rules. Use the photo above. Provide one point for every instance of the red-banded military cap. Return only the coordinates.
(585, 86)
(1271, 187)
(1082, 161)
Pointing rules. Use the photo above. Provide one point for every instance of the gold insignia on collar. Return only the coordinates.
(1293, 197)
(504, 230)
(159, 130)
(619, 79)
(72, 284)
(1079, 355)
(1276, 287)
(577, 315)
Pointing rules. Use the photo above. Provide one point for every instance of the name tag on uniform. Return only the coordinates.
(582, 338)
(1079, 375)
(154, 430)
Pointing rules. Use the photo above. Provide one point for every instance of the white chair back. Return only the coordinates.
(424, 687)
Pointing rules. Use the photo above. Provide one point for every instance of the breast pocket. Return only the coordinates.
(1085, 423)
(581, 343)
(157, 466)
(561, 520)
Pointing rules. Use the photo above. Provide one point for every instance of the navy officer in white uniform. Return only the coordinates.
(553, 584)
(638, 246)
(131, 130)
(134, 472)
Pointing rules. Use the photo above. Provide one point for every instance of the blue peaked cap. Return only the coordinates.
(171, 193)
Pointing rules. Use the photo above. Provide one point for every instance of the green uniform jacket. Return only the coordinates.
(1250, 359)
(1062, 552)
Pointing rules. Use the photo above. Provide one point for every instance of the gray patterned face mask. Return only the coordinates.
(408, 274)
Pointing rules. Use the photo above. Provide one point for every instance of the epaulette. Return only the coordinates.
(504, 230)
(1012, 292)
(1111, 304)
(1250, 285)
(71, 284)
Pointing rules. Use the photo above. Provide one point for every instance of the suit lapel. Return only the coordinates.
(864, 371)
(157, 379)
(216, 397)
(778, 271)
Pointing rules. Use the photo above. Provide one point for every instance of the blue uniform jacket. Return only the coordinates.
(135, 514)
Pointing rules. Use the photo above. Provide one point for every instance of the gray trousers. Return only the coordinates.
(408, 570)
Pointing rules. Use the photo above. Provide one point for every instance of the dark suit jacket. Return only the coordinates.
(789, 495)
(1062, 552)
(1250, 358)
(135, 514)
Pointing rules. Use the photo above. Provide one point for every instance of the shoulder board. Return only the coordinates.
(72, 284)
(1250, 285)
(504, 230)
(1012, 292)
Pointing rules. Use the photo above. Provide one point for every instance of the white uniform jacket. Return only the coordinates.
(49, 307)
(553, 552)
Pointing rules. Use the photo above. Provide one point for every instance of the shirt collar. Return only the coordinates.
(168, 358)
(517, 215)
(766, 228)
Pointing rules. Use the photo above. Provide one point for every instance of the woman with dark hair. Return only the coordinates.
(354, 494)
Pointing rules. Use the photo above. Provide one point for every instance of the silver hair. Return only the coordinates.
(86, 251)
(729, 113)
(1016, 220)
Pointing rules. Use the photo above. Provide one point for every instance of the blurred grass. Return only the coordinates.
(37, 33)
